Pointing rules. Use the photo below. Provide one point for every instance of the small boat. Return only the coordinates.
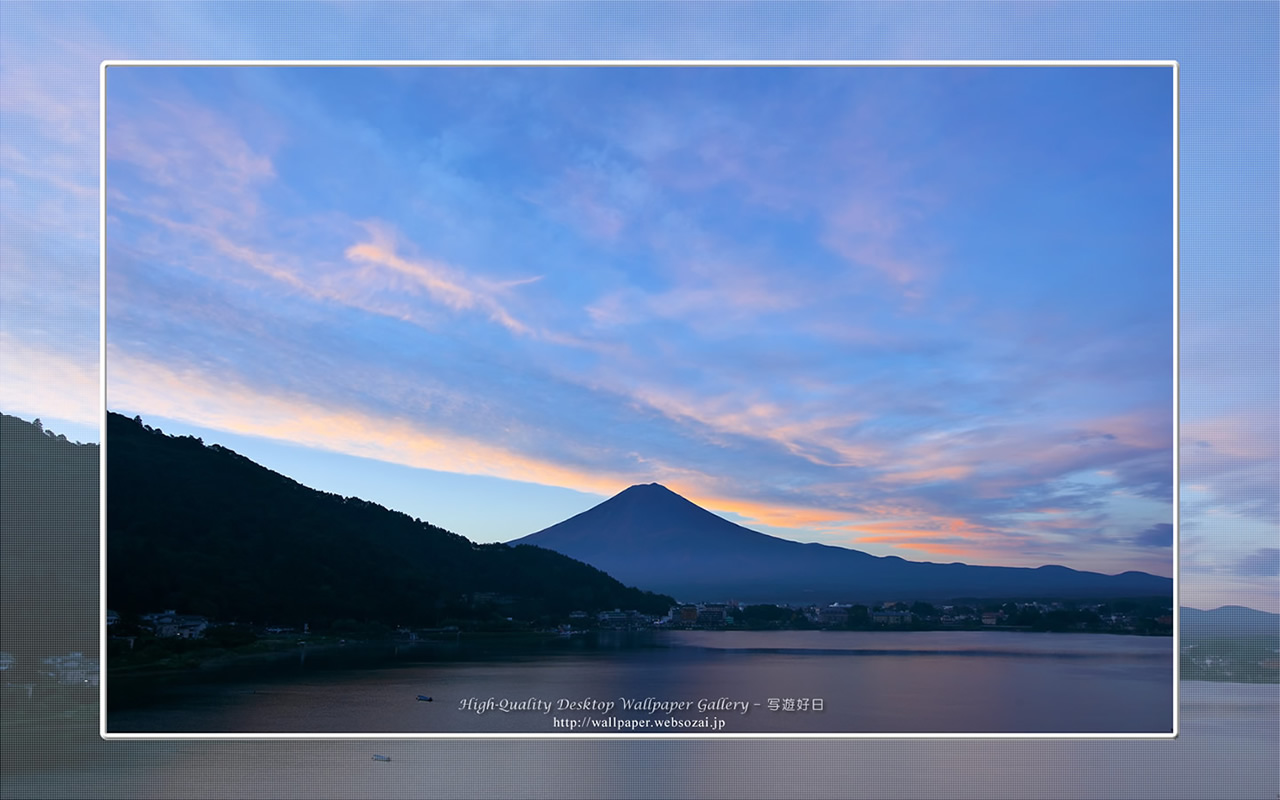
(424, 698)
(377, 757)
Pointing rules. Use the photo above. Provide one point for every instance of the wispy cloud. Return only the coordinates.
(1158, 535)
(869, 235)
(14, 161)
(444, 284)
(1263, 562)
(181, 142)
(818, 439)
(1234, 460)
(52, 93)
(212, 173)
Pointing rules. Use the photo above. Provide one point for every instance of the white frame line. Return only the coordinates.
(798, 63)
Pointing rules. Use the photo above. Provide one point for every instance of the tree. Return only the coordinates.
(922, 609)
(859, 617)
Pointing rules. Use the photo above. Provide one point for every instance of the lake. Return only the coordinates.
(700, 682)
(1226, 748)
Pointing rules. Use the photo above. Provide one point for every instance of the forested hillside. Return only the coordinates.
(203, 530)
(48, 541)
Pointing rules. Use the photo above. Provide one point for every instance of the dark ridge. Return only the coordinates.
(48, 542)
(204, 530)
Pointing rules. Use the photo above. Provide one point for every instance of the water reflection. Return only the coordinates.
(787, 682)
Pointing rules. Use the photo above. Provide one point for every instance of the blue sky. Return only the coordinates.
(923, 311)
(914, 311)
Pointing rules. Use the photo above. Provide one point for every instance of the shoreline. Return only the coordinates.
(285, 654)
(195, 667)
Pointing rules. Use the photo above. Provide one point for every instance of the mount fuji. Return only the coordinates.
(650, 537)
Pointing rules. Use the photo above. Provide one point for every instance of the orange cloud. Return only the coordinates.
(936, 535)
(924, 545)
(921, 525)
(778, 516)
(147, 387)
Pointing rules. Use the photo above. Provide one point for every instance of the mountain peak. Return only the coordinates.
(649, 493)
(650, 536)
(646, 516)
(645, 487)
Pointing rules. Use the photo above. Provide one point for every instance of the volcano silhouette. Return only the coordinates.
(650, 537)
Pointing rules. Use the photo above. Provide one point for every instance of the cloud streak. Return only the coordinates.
(211, 401)
(443, 284)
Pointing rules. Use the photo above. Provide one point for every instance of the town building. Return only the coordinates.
(713, 615)
(73, 669)
(170, 624)
(833, 616)
(892, 616)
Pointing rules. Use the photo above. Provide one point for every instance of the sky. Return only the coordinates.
(922, 311)
(925, 312)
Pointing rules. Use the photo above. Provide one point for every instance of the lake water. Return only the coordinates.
(696, 682)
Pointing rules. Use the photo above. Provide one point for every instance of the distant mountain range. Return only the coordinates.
(651, 537)
(1228, 621)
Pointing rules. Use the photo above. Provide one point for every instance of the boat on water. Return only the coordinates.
(424, 698)
(377, 757)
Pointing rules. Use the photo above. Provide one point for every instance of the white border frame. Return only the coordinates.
(102, 373)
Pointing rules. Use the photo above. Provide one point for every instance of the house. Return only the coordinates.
(833, 616)
(618, 619)
(893, 616)
(712, 615)
(170, 624)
